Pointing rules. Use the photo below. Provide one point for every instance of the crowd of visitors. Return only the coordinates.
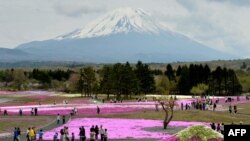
(201, 104)
(207, 103)
(30, 134)
(96, 134)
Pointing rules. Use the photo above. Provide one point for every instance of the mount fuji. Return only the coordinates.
(125, 34)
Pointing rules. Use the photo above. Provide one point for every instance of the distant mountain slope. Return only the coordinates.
(11, 55)
(125, 34)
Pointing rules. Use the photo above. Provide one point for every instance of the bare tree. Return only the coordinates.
(168, 108)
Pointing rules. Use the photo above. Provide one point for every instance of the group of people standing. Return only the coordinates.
(58, 119)
(232, 109)
(34, 111)
(30, 134)
(95, 131)
(200, 104)
(218, 128)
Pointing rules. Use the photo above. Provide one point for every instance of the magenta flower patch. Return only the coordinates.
(121, 128)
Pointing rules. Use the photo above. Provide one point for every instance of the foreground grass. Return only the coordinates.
(8, 123)
(191, 115)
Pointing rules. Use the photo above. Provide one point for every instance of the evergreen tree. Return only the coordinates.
(184, 82)
(87, 81)
(170, 72)
(178, 71)
(145, 78)
(106, 82)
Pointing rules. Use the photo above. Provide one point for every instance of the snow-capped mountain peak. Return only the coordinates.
(122, 20)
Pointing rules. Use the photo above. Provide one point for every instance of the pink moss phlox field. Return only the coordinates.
(87, 111)
(121, 128)
(64, 109)
(84, 106)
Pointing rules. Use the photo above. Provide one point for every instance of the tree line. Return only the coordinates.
(220, 81)
(125, 80)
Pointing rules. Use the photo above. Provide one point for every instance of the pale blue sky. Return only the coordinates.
(220, 24)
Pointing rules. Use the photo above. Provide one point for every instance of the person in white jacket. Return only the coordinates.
(102, 131)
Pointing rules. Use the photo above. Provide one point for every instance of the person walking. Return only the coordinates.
(66, 134)
(156, 106)
(32, 134)
(214, 106)
(218, 129)
(5, 112)
(27, 134)
(36, 111)
(72, 137)
(106, 135)
(55, 137)
(182, 106)
(96, 132)
(20, 112)
(15, 134)
(230, 109)
(58, 118)
(222, 128)
(213, 126)
(61, 134)
(18, 134)
(41, 135)
(92, 135)
(82, 134)
(235, 109)
(102, 133)
(63, 119)
(98, 110)
(32, 111)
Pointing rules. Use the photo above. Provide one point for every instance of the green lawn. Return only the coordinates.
(35, 100)
(7, 123)
(244, 108)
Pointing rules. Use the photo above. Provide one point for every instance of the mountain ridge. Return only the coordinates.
(125, 34)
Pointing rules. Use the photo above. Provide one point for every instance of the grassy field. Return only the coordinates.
(244, 109)
(37, 99)
(9, 122)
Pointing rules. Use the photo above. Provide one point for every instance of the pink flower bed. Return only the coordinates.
(84, 106)
(121, 128)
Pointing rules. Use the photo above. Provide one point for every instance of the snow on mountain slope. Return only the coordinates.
(122, 20)
(125, 34)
